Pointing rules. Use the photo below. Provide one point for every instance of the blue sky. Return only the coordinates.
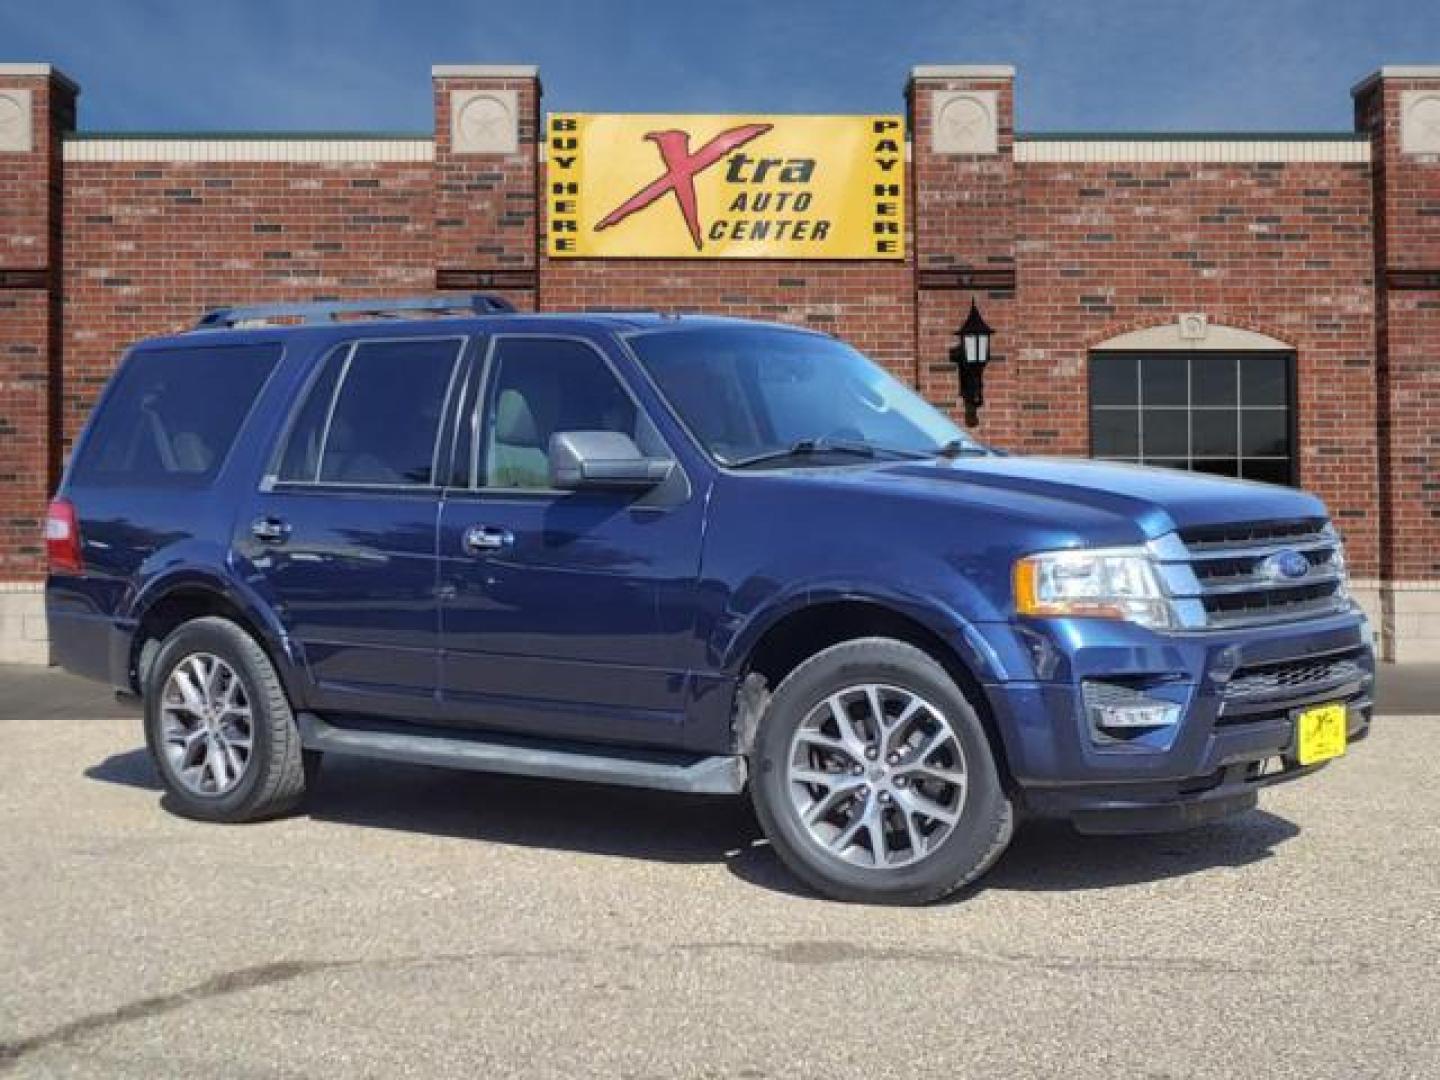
(364, 64)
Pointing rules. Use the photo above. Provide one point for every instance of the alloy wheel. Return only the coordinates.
(206, 725)
(877, 776)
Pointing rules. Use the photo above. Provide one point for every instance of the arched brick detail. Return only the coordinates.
(1216, 322)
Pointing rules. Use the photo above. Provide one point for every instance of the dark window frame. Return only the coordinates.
(347, 348)
(1290, 406)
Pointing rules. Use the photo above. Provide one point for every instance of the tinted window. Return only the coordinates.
(1227, 414)
(372, 415)
(541, 386)
(173, 415)
(1114, 380)
(1164, 380)
(1215, 382)
(1114, 434)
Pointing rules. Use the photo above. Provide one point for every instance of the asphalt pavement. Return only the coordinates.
(415, 922)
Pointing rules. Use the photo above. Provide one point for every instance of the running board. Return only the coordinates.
(719, 775)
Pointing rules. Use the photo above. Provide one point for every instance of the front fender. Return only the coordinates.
(738, 633)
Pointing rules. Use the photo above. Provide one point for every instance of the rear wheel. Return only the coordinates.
(874, 779)
(220, 728)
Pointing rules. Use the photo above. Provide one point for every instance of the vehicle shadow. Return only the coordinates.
(1050, 856)
(637, 824)
(590, 818)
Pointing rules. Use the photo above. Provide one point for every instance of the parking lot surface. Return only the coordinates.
(414, 922)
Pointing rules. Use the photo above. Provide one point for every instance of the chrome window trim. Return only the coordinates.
(271, 476)
(473, 367)
(478, 425)
(330, 412)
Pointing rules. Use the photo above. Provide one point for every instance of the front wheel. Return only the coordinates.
(873, 777)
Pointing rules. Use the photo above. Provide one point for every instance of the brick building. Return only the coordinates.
(1261, 305)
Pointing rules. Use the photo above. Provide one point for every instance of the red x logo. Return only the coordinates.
(681, 168)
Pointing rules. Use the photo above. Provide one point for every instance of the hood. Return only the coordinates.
(1101, 502)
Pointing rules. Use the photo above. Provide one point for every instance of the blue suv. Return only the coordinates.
(691, 554)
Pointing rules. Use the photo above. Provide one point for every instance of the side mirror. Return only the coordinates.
(583, 460)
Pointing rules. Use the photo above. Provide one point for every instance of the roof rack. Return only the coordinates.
(324, 311)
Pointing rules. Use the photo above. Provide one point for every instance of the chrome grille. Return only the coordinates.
(1220, 576)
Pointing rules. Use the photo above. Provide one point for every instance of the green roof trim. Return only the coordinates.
(1191, 136)
(251, 136)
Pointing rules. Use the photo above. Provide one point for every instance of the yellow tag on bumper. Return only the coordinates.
(1320, 733)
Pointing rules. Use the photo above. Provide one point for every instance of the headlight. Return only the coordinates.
(1114, 583)
(1337, 560)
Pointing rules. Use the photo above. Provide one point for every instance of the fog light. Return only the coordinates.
(1121, 711)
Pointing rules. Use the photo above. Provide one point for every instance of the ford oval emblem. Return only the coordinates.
(1285, 565)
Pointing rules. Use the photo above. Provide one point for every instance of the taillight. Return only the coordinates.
(62, 539)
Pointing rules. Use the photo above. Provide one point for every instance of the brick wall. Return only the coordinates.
(104, 246)
(486, 205)
(1407, 260)
(870, 305)
(31, 190)
(150, 245)
(1281, 249)
(965, 229)
(1066, 255)
(1407, 202)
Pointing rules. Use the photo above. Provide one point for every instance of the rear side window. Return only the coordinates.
(372, 415)
(172, 415)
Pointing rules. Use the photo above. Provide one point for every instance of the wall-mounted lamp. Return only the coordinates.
(970, 355)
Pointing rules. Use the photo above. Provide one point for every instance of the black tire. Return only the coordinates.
(987, 817)
(273, 780)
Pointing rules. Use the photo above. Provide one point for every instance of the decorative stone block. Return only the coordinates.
(1420, 122)
(1193, 326)
(16, 129)
(484, 122)
(966, 122)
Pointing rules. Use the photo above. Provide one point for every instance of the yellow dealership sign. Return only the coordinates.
(727, 187)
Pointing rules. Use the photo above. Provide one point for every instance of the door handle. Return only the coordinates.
(270, 530)
(479, 539)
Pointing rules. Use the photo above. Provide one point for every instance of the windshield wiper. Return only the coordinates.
(811, 447)
(959, 447)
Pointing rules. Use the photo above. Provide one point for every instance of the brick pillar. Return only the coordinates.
(963, 205)
(37, 105)
(487, 128)
(1400, 108)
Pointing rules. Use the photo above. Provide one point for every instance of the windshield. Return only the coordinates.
(753, 395)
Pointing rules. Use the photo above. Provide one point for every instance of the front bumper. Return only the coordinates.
(1239, 692)
(1165, 806)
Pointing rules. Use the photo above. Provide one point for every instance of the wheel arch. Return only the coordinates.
(800, 630)
(188, 594)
